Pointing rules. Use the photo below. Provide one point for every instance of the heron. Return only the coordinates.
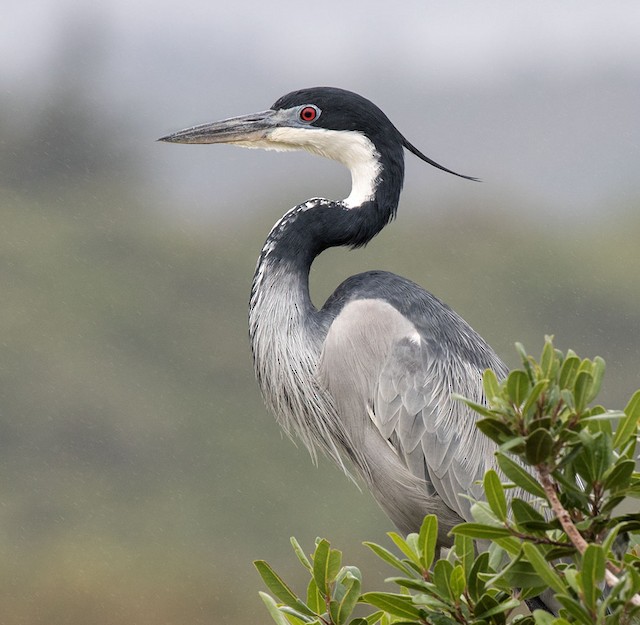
(369, 378)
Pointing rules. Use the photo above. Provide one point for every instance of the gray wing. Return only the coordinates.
(434, 434)
(383, 373)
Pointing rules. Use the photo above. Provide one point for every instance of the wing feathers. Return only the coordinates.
(375, 362)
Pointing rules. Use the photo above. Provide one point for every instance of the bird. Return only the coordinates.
(370, 378)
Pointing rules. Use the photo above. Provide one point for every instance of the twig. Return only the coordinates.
(571, 530)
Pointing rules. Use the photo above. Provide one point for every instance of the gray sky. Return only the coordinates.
(455, 42)
(537, 99)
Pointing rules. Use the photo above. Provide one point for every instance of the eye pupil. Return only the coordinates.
(308, 114)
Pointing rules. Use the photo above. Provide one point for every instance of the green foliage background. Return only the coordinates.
(139, 473)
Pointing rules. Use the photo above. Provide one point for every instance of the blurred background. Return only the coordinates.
(140, 474)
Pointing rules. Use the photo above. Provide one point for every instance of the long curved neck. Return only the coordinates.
(310, 228)
(285, 329)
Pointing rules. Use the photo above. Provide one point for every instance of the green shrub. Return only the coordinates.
(565, 533)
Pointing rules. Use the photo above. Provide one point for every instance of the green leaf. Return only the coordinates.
(465, 551)
(398, 605)
(479, 530)
(634, 581)
(300, 554)
(335, 562)
(597, 373)
(519, 574)
(629, 425)
(568, 372)
(582, 389)
(404, 546)
(543, 617)
(482, 513)
(499, 608)
(496, 556)
(479, 408)
(526, 361)
(487, 605)
(628, 449)
(518, 386)
(296, 618)
(412, 541)
(542, 567)
(494, 492)
(592, 574)
(442, 578)
(432, 604)
(514, 446)
(389, 558)
(427, 540)
(475, 584)
(519, 476)
(575, 609)
(598, 413)
(419, 585)
(494, 429)
(371, 619)
(346, 573)
(278, 587)
(344, 607)
(522, 352)
(543, 423)
(532, 398)
(571, 577)
(568, 398)
(326, 564)
(457, 582)
(557, 553)
(601, 455)
(273, 609)
(315, 601)
(490, 384)
(510, 544)
(583, 464)
(547, 358)
(527, 518)
(614, 501)
(633, 407)
(619, 475)
(607, 543)
(575, 495)
(321, 565)
(597, 419)
(538, 447)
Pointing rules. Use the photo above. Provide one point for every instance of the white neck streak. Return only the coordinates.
(349, 147)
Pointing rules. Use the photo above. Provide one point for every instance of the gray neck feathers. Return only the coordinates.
(286, 334)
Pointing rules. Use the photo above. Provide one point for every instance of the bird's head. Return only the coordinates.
(327, 121)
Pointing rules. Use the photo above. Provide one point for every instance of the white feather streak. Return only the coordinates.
(348, 147)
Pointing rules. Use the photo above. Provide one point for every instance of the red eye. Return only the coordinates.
(308, 113)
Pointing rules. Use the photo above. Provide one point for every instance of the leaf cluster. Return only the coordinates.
(549, 522)
(332, 592)
(452, 591)
(541, 417)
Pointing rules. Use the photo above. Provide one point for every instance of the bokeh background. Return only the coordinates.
(139, 472)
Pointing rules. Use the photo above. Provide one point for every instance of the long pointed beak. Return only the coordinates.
(244, 129)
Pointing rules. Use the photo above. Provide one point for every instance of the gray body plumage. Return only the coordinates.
(368, 378)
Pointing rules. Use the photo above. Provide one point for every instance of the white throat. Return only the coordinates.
(349, 147)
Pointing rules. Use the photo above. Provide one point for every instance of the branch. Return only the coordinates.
(558, 509)
(571, 530)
